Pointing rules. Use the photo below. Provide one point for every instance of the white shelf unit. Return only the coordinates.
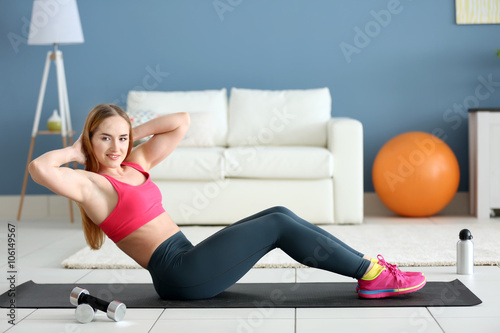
(484, 161)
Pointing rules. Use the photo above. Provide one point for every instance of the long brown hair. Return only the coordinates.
(93, 234)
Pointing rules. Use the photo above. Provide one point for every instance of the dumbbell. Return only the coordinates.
(115, 310)
(84, 313)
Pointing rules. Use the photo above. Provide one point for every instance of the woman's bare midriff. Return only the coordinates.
(141, 244)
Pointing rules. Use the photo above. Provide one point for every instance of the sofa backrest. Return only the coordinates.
(279, 117)
(208, 109)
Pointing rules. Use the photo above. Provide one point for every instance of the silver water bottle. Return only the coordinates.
(465, 253)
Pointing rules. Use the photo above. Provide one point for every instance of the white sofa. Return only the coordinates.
(257, 149)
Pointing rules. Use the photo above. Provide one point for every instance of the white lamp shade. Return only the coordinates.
(55, 22)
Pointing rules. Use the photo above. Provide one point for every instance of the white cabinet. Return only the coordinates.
(484, 161)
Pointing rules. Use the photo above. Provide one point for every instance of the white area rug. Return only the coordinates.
(404, 245)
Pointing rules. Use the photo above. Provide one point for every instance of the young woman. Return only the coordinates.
(117, 198)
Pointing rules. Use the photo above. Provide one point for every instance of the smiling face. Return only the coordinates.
(110, 142)
(97, 116)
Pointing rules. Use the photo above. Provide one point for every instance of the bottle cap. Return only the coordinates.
(465, 234)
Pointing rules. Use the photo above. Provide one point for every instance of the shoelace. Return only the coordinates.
(393, 269)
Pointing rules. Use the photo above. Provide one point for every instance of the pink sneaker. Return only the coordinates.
(382, 262)
(390, 282)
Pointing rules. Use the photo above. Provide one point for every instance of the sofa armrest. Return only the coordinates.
(345, 141)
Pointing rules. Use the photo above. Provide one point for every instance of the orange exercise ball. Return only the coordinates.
(415, 174)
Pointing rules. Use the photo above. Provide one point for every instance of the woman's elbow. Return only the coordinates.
(32, 167)
(35, 171)
(185, 121)
(187, 118)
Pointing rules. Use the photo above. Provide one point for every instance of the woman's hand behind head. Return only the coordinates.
(79, 154)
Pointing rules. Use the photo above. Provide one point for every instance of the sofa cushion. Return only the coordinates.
(166, 102)
(199, 133)
(140, 117)
(191, 164)
(279, 117)
(271, 162)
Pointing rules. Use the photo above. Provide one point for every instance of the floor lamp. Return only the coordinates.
(53, 23)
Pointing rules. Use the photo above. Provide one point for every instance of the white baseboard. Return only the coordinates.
(37, 206)
(54, 206)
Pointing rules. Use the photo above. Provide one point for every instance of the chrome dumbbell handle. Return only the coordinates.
(74, 297)
(115, 310)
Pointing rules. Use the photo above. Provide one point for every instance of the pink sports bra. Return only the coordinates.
(137, 205)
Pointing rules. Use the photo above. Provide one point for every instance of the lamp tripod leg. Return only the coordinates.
(23, 192)
(35, 127)
(64, 109)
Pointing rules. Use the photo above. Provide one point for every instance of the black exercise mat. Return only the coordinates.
(244, 295)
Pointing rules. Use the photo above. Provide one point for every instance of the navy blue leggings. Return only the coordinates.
(183, 271)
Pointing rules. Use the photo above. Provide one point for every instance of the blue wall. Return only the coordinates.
(414, 70)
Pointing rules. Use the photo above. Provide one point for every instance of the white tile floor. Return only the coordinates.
(43, 244)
